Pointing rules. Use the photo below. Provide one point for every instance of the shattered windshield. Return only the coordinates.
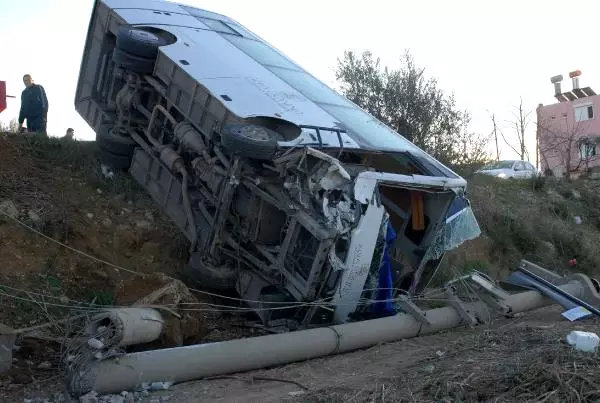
(460, 226)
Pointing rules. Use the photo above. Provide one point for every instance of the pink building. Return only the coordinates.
(569, 130)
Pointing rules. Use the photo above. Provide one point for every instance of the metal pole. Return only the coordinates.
(188, 363)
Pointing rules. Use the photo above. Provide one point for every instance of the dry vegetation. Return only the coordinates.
(534, 220)
(523, 362)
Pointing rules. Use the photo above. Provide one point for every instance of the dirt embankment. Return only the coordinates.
(548, 222)
(72, 240)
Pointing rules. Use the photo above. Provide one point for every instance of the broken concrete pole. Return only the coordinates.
(194, 362)
(121, 327)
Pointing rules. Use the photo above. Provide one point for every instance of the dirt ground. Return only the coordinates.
(518, 359)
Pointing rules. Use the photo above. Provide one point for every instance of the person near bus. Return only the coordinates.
(34, 106)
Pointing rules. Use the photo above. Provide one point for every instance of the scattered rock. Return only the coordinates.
(547, 248)
(554, 197)
(149, 216)
(90, 215)
(91, 397)
(143, 225)
(45, 365)
(99, 191)
(576, 194)
(95, 343)
(107, 222)
(112, 399)
(34, 216)
(8, 207)
(156, 385)
(100, 273)
(107, 172)
(59, 397)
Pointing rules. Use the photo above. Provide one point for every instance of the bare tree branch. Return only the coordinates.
(566, 142)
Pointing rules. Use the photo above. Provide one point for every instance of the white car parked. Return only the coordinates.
(509, 169)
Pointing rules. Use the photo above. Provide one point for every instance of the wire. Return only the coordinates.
(212, 307)
(227, 308)
(69, 247)
(317, 302)
(300, 303)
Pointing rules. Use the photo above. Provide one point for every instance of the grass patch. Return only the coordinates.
(528, 221)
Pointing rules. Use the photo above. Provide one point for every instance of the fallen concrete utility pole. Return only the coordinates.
(194, 362)
(126, 326)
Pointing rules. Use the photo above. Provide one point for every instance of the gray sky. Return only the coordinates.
(487, 53)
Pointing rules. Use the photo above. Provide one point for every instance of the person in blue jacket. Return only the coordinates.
(34, 106)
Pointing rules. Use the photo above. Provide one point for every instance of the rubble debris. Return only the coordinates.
(95, 343)
(143, 224)
(33, 216)
(524, 277)
(107, 172)
(159, 289)
(8, 207)
(154, 386)
(91, 397)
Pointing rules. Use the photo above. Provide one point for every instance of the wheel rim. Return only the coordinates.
(255, 133)
(143, 35)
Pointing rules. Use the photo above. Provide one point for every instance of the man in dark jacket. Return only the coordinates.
(34, 106)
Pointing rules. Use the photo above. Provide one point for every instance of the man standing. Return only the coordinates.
(34, 106)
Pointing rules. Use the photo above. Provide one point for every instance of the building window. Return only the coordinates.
(584, 112)
(587, 150)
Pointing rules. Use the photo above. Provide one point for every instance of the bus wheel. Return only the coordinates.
(250, 141)
(139, 42)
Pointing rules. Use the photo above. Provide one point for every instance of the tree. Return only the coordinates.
(563, 143)
(520, 123)
(11, 127)
(474, 146)
(495, 134)
(408, 102)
